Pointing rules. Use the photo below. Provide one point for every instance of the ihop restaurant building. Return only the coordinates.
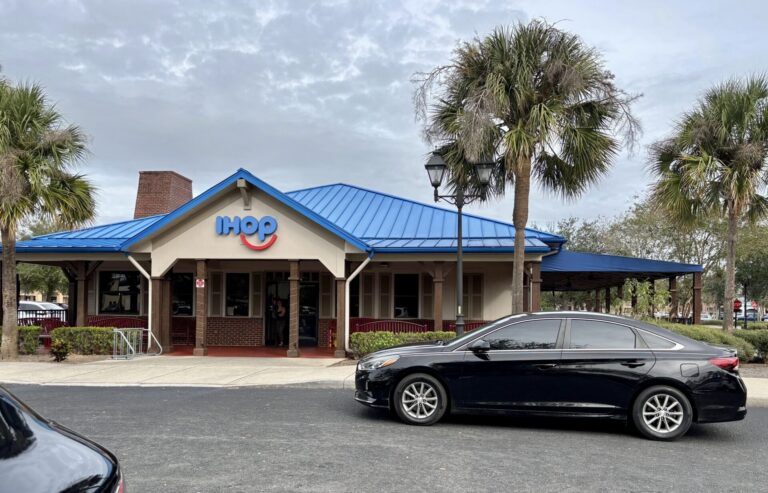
(245, 264)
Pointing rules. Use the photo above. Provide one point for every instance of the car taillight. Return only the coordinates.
(728, 364)
(120, 486)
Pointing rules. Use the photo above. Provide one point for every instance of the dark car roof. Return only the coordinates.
(688, 343)
(39, 455)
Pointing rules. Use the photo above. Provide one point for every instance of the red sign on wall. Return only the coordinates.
(199, 283)
(736, 305)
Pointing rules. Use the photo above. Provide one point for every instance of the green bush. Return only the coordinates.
(85, 340)
(758, 338)
(713, 323)
(29, 338)
(712, 335)
(362, 343)
(60, 350)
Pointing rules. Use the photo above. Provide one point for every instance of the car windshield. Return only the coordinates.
(457, 341)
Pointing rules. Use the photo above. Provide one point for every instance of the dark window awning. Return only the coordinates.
(579, 271)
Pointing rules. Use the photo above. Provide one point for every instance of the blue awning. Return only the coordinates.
(567, 261)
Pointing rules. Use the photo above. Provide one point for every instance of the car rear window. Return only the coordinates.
(656, 342)
(595, 334)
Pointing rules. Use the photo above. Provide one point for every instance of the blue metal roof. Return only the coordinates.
(367, 219)
(394, 224)
(567, 261)
(104, 238)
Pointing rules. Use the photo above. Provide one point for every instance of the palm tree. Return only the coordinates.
(715, 163)
(37, 154)
(539, 102)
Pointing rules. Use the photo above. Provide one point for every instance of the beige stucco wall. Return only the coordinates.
(195, 237)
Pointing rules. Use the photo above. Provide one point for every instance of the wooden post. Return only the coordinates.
(437, 297)
(634, 299)
(526, 288)
(673, 298)
(157, 309)
(597, 300)
(341, 311)
(201, 308)
(82, 295)
(535, 283)
(608, 299)
(293, 310)
(697, 298)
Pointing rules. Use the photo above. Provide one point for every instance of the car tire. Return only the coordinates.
(662, 413)
(420, 399)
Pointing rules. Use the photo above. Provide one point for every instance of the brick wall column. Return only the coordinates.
(438, 279)
(341, 310)
(697, 298)
(535, 283)
(157, 308)
(165, 316)
(81, 280)
(201, 310)
(293, 310)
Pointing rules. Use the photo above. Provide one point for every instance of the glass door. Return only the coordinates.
(277, 309)
(309, 295)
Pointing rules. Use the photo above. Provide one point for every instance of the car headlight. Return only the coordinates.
(378, 362)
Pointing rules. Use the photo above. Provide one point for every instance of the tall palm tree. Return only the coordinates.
(540, 103)
(37, 155)
(715, 163)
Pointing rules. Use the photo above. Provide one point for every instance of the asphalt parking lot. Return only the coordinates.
(256, 439)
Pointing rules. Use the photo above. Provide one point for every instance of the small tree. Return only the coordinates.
(37, 154)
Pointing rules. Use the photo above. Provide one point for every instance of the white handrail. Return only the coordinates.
(149, 297)
(346, 299)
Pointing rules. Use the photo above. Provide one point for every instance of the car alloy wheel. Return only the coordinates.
(419, 399)
(662, 413)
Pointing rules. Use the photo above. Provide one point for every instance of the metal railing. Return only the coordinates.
(37, 317)
(129, 343)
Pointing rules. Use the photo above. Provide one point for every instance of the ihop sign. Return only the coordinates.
(247, 227)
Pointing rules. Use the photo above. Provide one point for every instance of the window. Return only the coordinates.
(257, 295)
(656, 342)
(354, 297)
(427, 296)
(368, 294)
(182, 298)
(327, 310)
(535, 334)
(119, 292)
(385, 299)
(406, 295)
(216, 295)
(473, 296)
(593, 334)
(237, 295)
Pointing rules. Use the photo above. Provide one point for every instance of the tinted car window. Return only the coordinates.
(535, 334)
(656, 342)
(593, 334)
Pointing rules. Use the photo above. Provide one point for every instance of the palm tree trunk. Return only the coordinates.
(10, 345)
(520, 221)
(730, 270)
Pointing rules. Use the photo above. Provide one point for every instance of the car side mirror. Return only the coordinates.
(480, 346)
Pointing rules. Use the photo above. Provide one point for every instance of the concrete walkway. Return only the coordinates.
(193, 371)
(185, 371)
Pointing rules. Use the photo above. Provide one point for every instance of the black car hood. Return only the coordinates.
(43, 456)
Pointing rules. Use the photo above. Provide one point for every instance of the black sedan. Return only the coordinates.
(560, 364)
(37, 455)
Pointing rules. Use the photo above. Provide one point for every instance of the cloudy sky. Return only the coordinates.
(308, 93)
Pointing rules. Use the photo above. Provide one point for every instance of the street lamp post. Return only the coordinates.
(436, 169)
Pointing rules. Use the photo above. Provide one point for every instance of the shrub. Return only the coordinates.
(29, 338)
(758, 338)
(85, 340)
(362, 343)
(713, 336)
(59, 350)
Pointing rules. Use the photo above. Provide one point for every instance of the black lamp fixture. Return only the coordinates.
(436, 169)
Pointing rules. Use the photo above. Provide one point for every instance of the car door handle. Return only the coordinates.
(632, 364)
(545, 366)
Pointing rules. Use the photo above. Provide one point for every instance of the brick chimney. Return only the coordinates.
(161, 192)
